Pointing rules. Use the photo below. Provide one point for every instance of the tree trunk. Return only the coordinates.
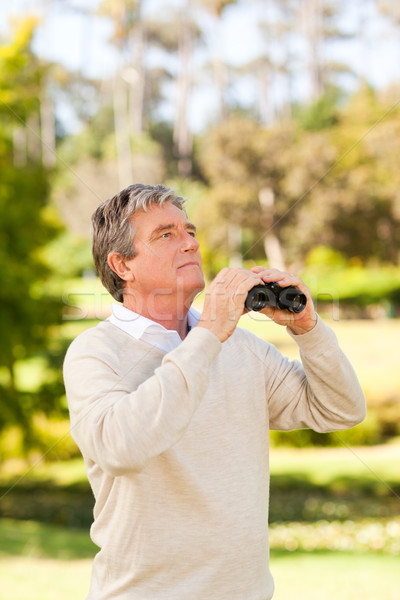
(122, 138)
(313, 16)
(219, 70)
(265, 106)
(272, 245)
(33, 138)
(137, 84)
(235, 241)
(48, 131)
(182, 135)
(19, 146)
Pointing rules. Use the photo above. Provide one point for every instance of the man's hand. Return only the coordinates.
(298, 323)
(224, 301)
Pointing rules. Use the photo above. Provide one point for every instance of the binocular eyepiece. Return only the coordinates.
(271, 294)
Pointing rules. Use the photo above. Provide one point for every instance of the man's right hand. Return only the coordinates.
(224, 301)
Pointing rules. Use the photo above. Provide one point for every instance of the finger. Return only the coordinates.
(283, 278)
(241, 279)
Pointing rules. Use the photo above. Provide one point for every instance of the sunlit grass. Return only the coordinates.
(371, 346)
(363, 535)
(308, 560)
(335, 576)
(308, 576)
(40, 540)
(66, 472)
(44, 579)
(375, 463)
(27, 571)
(320, 466)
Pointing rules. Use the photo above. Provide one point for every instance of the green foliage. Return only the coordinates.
(20, 75)
(27, 223)
(334, 179)
(94, 141)
(323, 114)
(368, 433)
(333, 279)
(69, 255)
(239, 159)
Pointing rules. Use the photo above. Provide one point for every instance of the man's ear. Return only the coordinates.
(120, 266)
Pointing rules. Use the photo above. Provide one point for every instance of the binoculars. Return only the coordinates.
(271, 294)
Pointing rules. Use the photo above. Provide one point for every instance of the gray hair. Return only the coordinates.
(112, 230)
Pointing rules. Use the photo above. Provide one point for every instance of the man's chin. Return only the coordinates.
(194, 288)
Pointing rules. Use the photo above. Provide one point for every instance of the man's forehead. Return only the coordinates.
(159, 218)
(167, 215)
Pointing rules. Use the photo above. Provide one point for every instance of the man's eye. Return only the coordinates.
(165, 235)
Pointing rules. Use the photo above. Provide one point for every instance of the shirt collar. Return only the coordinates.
(139, 326)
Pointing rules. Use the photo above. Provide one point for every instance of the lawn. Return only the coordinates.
(371, 346)
(335, 576)
(335, 512)
(318, 550)
(300, 576)
(27, 571)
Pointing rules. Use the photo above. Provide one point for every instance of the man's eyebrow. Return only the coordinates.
(168, 227)
(191, 227)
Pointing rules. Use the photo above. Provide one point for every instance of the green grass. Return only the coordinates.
(326, 465)
(371, 346)
(306, 485)
(42, 562)
(335, 576)
(44, 579)
(334, 483)
(300, 576)
(349, 488)
(39, 540)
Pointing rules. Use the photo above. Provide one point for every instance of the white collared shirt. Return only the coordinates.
(146, 330)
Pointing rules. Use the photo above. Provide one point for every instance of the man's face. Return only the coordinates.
(168, 260)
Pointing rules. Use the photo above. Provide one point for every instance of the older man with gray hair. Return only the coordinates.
(172, 409)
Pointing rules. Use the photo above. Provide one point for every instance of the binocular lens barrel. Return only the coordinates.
(271, 294)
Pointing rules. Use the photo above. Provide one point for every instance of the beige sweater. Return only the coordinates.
(176, 451)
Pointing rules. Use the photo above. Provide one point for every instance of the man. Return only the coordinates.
(172, 409)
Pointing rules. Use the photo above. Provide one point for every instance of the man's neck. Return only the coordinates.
(166, 314)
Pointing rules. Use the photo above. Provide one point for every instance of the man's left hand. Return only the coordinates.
(298, 323)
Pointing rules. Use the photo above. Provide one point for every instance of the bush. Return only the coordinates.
(372, 431)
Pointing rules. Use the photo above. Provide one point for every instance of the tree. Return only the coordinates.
(129, 82)
(129, 37)
(245, 164)
(216, 9)
(343, 183)
(183, 139)
(177, 33)
(278, 29)
(391, 10)
(336, 186)
(27, 223)
(320, 28)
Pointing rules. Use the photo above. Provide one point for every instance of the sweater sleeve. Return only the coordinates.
(322, 393)
(121, 429)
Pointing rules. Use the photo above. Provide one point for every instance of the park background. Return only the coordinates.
(279, 120)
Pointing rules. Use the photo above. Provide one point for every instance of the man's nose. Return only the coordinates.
(190, 244)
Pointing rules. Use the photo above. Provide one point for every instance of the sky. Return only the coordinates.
(81, 43)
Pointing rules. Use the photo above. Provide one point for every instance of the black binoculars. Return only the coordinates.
(271, 294)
